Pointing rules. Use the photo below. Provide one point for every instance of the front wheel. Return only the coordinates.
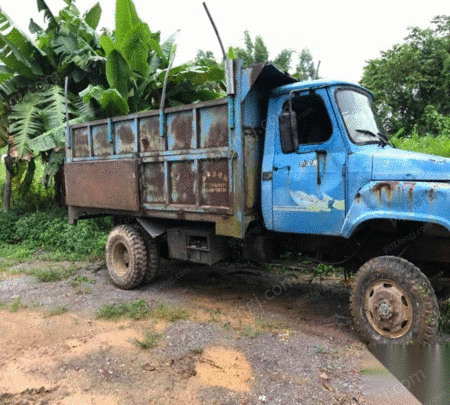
(392, 301)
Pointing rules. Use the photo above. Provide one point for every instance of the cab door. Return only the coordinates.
(308, 184)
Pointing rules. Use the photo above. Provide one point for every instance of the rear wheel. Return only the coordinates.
(392, 301)
(126, 257)
(153, 255)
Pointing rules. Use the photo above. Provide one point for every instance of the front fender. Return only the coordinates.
(402, 200)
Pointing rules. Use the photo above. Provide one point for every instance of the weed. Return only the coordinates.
(56, 311)
(16, 304)
(215, 315)
(320, 349)
(150, 341)
(252, 332)
(282, 269)
(304, 259)
(286, 255)
(52, 274)
(323, 270)
(138, 309)
(170, 314)
(76, 281)
(197, 350)
(81, 290)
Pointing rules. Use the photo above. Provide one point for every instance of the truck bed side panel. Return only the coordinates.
(103, 184)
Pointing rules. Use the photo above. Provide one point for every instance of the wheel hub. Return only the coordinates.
(388, 308)
(385, 310)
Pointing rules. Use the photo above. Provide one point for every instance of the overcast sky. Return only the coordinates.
(343, 35)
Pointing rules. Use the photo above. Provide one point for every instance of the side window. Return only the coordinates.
(313, 124)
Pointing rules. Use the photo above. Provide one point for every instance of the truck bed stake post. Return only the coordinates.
(216, 31)
(162, 126)
(66, 89)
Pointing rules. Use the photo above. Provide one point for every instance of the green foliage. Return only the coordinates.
(411, 76)
(136, 310)
(255, 51)
(50, 230)
(56, 311)
(433, 145)
(51, 274)
(16, 305)
(305, 69)
(150, 341)
(170, 314)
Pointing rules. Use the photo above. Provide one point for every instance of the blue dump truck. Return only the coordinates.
(303, 163)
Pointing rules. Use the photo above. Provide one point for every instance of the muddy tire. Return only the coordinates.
(153, 255)
(392, 301)
(126, 257)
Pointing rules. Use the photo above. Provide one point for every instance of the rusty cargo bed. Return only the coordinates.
(204, 165)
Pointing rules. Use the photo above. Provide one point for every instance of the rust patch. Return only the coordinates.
(181, 130)
(410, 186)
(153, 183)
(100, 141)
(151, 141)
(126, 136)
(388, 188)
(80, 140)
(431, 194)
(358, 197)
(217, 135)
(182, 185)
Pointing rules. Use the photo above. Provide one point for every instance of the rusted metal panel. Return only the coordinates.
(253, 148)
(182, 183)
(215, 183)
(213, 126)
(153, 183)
(101, 145)
(149, 137)
(125, 136)
(180, 134)
(103, 184)
(80, 142)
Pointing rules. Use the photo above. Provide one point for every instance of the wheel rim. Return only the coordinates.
(388, 308)
(120, 258)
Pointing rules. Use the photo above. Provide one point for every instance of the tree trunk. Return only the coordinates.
(60, 189)
(28, 179)
(7, 190)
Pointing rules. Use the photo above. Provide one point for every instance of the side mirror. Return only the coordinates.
(288, 132)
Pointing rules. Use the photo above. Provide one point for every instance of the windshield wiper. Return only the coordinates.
(384, 140)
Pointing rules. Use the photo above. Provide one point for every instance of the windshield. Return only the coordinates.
(359, 118)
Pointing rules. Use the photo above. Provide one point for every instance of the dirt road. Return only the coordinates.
(228, 334)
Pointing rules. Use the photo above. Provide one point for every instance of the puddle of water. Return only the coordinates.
(422, 369)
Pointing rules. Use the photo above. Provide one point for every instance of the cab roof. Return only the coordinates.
(314, 84)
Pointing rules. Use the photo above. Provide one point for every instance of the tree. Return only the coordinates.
(110, 74)
(255, 51)
(412, 79)
(305, 69)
